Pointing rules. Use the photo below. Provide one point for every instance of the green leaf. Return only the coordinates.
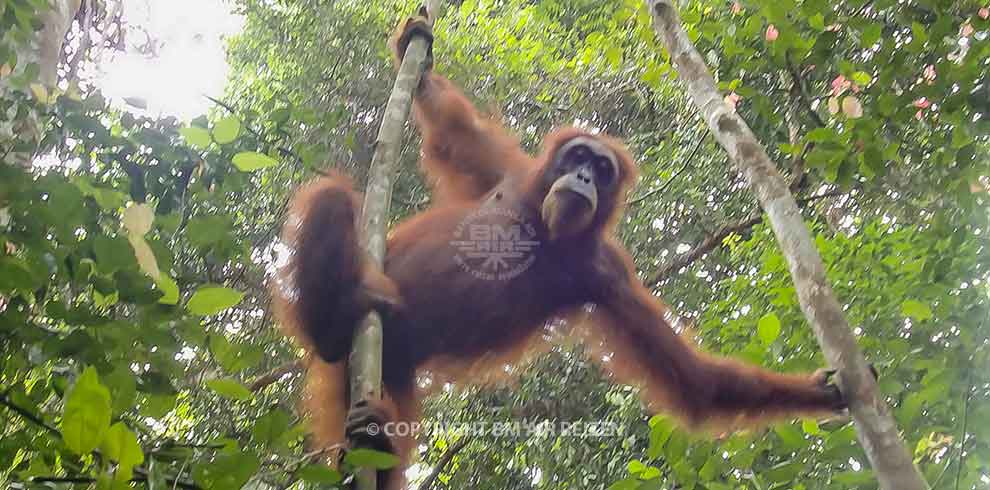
(229, 388)
(916, 310)
(768, 328)
(169, 288)
(918, 32)
(208, 230)
(790, 436)
(226, 130)
(319, 474)
(626, 484)
(123, 389)
(249, 161)
(614, 56)
(121, 445)
(819, 135)
(210, 300)
(810, 426)
(852, 479)
(227, 471)
(234, 357)
(660, 430)
(861, 78)
(113, 253)
(86, 414)
(369, 458)
(196, 136)
(871, 34)
(15, 274)
(270, 427)
(817, 22)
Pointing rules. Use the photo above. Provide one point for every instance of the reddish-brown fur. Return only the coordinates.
(451, 319)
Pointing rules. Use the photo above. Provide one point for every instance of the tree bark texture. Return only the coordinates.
(876, 429)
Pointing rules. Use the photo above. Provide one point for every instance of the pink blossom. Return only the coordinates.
(929, 73)
(984, 13)
(732, 99)
(966, 30)
(772, 33)
(922, 103)
(839, 85)
(736, 8)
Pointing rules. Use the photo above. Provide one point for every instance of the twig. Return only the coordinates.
(274, 375)
(23, 412)
(666, 185)
(707, 245)
(443, 462)
(715, 239)
(796, 76)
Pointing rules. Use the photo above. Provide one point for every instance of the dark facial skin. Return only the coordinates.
(583, 174)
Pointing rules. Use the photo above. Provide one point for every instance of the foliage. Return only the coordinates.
(134, 315)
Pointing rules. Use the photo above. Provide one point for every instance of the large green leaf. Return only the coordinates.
(229, 388)
(768, 328)
(226, 130)
(196, 136)
(86, 414)
(249, 161)
(210, 300)
(121, 445)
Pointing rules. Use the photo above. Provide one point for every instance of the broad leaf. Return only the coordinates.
(86, 414)
(210, 300)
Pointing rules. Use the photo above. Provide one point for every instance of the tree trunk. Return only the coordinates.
(45, 51)
(876, 429)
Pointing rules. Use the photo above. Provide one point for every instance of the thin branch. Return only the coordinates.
(673, 177)
(715, 240)
(802, 95)
(707, 245)
(443, 462)
(274, 375)
(23, 412)
(85, 480)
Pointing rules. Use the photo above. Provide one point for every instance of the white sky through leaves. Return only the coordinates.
(190, 61)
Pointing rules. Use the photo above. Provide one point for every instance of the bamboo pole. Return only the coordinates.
(365, 362)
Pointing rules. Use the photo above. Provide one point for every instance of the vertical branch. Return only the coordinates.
(876, 429)
(365, 361)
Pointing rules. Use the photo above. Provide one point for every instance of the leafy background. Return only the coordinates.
(137, 347)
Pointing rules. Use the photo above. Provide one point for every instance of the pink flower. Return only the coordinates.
(920, 114)
(736, 8)
(929, 73)
(922, 103)
(966, 30)
(984, 13)
(732, 99)
(772, 33)
(839, 85)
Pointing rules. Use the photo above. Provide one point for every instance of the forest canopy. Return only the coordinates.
(138, 346)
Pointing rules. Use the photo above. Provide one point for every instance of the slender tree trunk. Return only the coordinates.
(44, 50)
(365, 362)
(876, 428)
